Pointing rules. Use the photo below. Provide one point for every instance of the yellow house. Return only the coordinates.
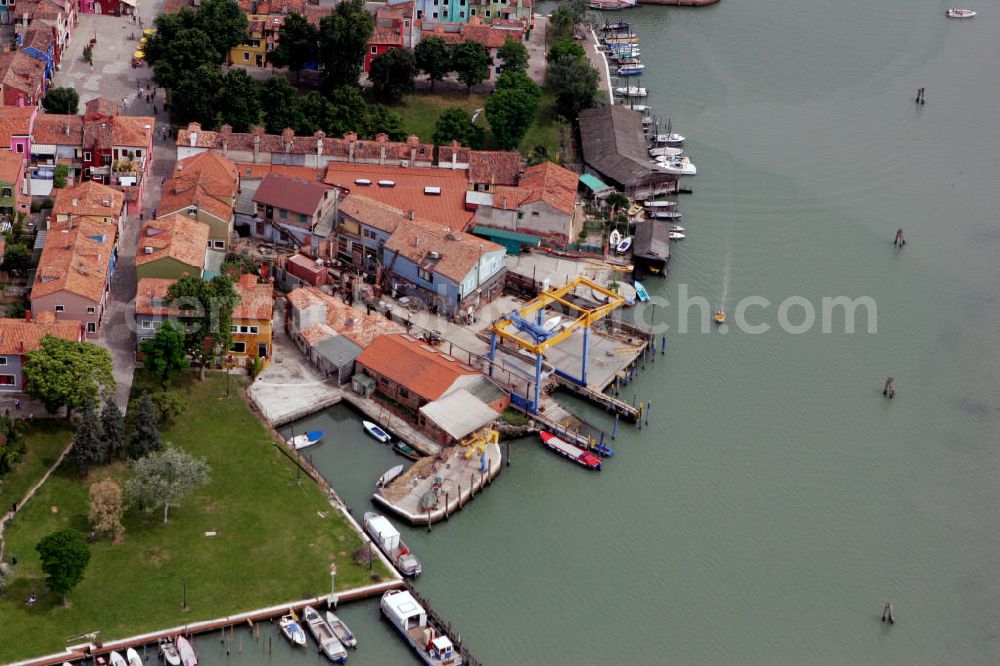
(251, 327)
(252, 52)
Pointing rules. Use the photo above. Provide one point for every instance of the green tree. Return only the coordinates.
(238, 104)
(565, 48)
(513, 56)
(145, 436)
(165, 353)
(471, 62)
(89, 448)
(164, 479)
(224, 23)
(281, 102)
(350, 111)
(70, 374)
(511, 109)
(433, 58)
(208, 307)
(392, 74)
(298, 41)
(618, 201)
(343, 41)
(455, 124)
(317, 113)
(61, 100)
(195, 96)
(64, 556)
(169, 405)
(17, 259)
(113, 430)
(380, 120)
(188, 53)
(575, 84)
(562, 24)
(59, 176)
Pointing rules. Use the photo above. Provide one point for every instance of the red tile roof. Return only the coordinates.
(20, 336)
(458, 252)
(343, 319)
(89, 199)
(132, 131)
(416, 366)
(151, 297)
(552, 184)
(294, 194)
(174, 236)
(180, 194)
(15, 121)
(256, 299)
(58, 129)
(372, 213)
(10, 167)
(75, 259)
(219, 176)
(100, 108)
(494, 167)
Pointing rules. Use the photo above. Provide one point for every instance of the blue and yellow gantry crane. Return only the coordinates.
(531, 334)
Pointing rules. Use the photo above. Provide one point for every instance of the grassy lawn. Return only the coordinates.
(272, 542)
(46, 438)
(421, 111)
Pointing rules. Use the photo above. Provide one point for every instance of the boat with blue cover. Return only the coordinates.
(308, 438)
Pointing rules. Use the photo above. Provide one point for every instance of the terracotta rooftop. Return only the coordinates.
(494, 167)
(15, 121)
(372, 213)
(20, 336)
(408, 193)
(75, 259)
(10, 167)
(132, 131)
(180, 194)
(299, 196)
(58, 129)
(458, 251)
(219, 176)
(100, 108)
(552, 184)
(343, 319)
(256, 299)
(414, 365)
(151, 297)
(89, 199)
(20, 71)
(174, 236)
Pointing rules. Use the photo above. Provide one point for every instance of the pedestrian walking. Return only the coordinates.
(17, 404)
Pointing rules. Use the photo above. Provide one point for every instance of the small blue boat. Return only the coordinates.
(631, 69)
(309, 438)
(640, 292)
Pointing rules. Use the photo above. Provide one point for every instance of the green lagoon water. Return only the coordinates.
(776, 500)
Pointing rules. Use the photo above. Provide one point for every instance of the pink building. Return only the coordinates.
(16, 125)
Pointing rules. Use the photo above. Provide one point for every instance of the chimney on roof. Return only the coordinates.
(412, 214)
(180, 167)
(76, 202)
(192, 138)
(67, 128)
(27, 315)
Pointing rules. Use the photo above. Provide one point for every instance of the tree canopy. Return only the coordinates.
(145, 435)
(513, 56)
(207, 305)
(106, 508)
(565, 48)
(471, 63)
(281, 100)
(392, 74)
(238, 104)
(433, 58)
(164, 354)
(64, 556)
(66, 373)
(164, 479)
(574, 82)
(511, 109)
(343, 41)
(61, 100)
(298, 43)
(224, 23)
(89, 446)
(16, 258)
(455, 124)
(113, 430)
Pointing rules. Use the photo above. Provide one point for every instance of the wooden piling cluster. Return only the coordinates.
(441, 623)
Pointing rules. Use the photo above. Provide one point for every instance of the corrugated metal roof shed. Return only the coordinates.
(459, 413)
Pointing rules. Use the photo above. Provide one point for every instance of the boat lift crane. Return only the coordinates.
(531, 335)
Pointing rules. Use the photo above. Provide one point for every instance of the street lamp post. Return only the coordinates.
(184, 599)
(229, 362)
(333, 578)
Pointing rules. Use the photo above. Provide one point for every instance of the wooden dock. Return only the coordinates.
(603, 400)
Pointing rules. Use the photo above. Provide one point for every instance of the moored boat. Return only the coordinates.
(672, 139)
(614, 238)
(341, 630)
(640, 291)
(133, 657)
(676, 235)
(390, 475)
(959, 13)
(660, 203)
(615, 27)
(634, 209)
(186, 651)
(611, 5)
(571, 451)
(677, 167)
(306, 439)
(376, 432)
(388, 540)
(169, 652)
(624, 245)
(411, 621)
(324, 636)
(631, 69)
(117, 660)
(666, 151)
(663, 214)
(719, 316)
(405, 450)
(604, 450)
(677, 227)
(292, 630)
(631, 91)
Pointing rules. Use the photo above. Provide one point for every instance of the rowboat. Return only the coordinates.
(624, 245)
(959, 13)
(169, 652)
(631, 91)
(376, 432)
(405, 450)
(676, 235)
(186, 651)
(292, 629)
(117, 659)
(306, 439)
(323, 633)
(133, 657)
(341, 631)
(611, 5)
(389, 476)
(634, 209)
(571, 451)
(640, 292)
(410, 619)
(388, 540)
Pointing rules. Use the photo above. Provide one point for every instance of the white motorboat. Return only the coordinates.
(341, 630)
(306, 439)
(676, 227)
(631, 69)
(614, 238)
(323, 634)
(376, 432)
(117, 659)
(186, 651)
(389, 476)
(641, 108)
(676, 235)
(959, 13)
(292, 630)
(387, 538)
(133, 657)
(169, 652)
(552, 323)
(662, 203)
(677, 167)
(663, 214)
(410, 620)
(669, 139)
(624, 245)
(666, 151)
(631, 91)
